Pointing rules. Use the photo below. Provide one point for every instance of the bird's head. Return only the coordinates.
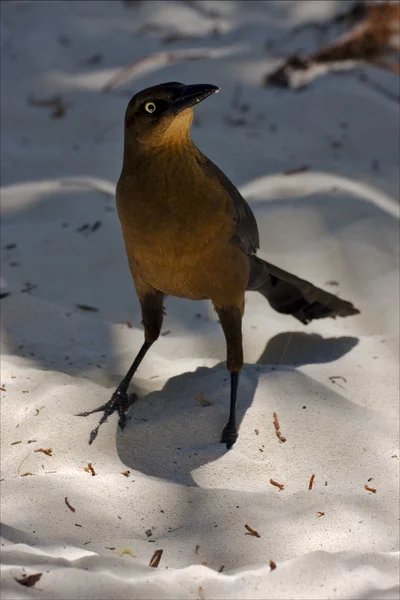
(163, 113)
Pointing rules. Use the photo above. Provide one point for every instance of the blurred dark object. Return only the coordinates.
(356, 13)
(95, 59)
(373, 38)
(56, 104)
(29, 580)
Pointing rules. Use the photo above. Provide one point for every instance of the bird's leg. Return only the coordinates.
(152, 313)
(231, 322)
(119, 401)
(230, 432)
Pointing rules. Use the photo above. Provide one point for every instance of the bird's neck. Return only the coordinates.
(174, 149)
(172, 142)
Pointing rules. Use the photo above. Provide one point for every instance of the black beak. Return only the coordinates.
(190, 95)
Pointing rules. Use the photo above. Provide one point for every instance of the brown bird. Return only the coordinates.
(189, 233)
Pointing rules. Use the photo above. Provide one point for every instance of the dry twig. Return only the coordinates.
(252, 531)
(47, 451)
(277, 428)
(87, 307)
(155, 559)
(90, 469)
(370, 489)
(22, 462)
(276, 484)
(297, 170)
(71, 508)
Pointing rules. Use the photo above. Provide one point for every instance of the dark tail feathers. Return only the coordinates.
(291, 295)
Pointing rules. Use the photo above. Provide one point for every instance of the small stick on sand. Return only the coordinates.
(252, 531)
(71, 508)
(22, 462)
(155, 559)
(90, 469)
(49, 451)
(370, 489)
(302, 169)
(310, 484)
(276, 484)
(87, 307)
(320, 513)
(277, 428)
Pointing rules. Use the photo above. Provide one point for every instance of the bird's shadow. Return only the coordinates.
(300, 348)
(157, 444)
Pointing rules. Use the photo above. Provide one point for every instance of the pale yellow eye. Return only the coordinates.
(150, 107)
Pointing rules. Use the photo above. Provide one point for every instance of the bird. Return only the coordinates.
(189, 233)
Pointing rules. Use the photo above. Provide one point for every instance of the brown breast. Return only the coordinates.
(175, 220)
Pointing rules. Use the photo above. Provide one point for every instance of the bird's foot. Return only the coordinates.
(120, 402)
(229, 435)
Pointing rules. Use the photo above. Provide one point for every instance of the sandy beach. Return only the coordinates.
(320, 169)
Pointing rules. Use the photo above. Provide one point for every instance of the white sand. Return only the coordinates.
(338, 222)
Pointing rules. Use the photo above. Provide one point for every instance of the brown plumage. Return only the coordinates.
(189, 233)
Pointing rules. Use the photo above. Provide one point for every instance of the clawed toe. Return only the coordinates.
(120, 402)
